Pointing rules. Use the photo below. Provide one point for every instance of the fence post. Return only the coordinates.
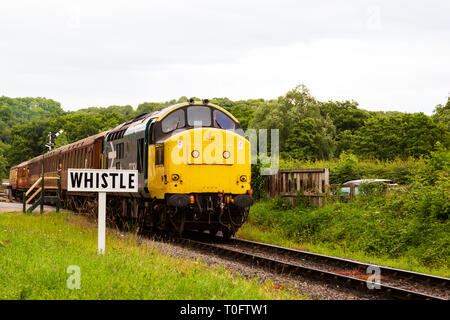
(352, 191)
(42, 193)
(24, 202)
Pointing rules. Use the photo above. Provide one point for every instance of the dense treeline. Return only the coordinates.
(309, 129)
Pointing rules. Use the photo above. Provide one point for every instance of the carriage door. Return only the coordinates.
(27, 174)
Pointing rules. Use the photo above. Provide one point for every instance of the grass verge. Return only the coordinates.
(36, 251)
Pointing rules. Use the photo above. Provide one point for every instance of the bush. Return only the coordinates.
(349, 167)
(279, 203)
(258, 181)
(372, 189)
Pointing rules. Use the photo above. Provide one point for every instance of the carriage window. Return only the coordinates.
(221, 120)
(199, 114)
(173, 121)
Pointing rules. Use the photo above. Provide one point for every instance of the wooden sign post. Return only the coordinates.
(102, 181)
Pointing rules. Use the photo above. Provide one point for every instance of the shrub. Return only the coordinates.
(258, 181)
(280, 203)
(372, 189)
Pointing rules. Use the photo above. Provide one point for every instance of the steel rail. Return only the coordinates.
(345, 263)
(291, 269)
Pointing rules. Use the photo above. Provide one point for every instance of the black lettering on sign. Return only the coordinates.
(113, 175)
(122, 186)
(76, 177)
(97, 175)
(104, 182)
(131, 181)
(89, 180)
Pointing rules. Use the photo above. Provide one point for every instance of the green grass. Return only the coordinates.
(363, 229)
(35, 252)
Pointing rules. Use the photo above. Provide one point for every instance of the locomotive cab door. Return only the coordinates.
(155, 165)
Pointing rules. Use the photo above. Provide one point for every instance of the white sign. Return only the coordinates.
(96, 180)
(102, 181)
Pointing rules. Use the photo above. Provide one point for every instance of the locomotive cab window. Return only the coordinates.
(197, 114)
(173, 121)
(222, 121)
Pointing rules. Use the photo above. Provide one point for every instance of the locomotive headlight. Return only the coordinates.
(226, 154)
(195, 154)
(243, 178)
(175, 177)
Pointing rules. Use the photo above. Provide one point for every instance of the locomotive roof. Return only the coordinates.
(161, 113)
(140, 121)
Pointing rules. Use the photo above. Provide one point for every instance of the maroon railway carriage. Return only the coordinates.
(86, 153)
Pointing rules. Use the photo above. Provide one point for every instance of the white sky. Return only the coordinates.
(387, 55)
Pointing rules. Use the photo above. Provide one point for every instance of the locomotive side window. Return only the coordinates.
(222, 121)
(159, 155)
(199, 114)
(173, 121)
(140, 155)
(120, 151)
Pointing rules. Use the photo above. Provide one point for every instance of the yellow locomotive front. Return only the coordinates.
(199, 169)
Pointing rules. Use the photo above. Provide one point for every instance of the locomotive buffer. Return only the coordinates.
(102, 181)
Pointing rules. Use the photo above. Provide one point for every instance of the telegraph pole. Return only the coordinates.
(51, 137)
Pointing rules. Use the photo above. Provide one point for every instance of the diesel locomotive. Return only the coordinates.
(193, 165)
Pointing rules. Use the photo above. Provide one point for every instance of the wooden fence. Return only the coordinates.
(312, 183)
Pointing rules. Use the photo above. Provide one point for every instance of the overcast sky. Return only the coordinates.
(386, 55)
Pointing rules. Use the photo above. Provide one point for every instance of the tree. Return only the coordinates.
(148, 107)
(404, 135)
(304, 131)
(345, 115)
(243, 109)
(28, 141)
(442, 114)
(3, 167)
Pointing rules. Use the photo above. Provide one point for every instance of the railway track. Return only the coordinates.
(394, 283)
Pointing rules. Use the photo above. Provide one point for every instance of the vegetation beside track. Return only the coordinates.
(392, 230)
(407, 229)
(35, 252)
